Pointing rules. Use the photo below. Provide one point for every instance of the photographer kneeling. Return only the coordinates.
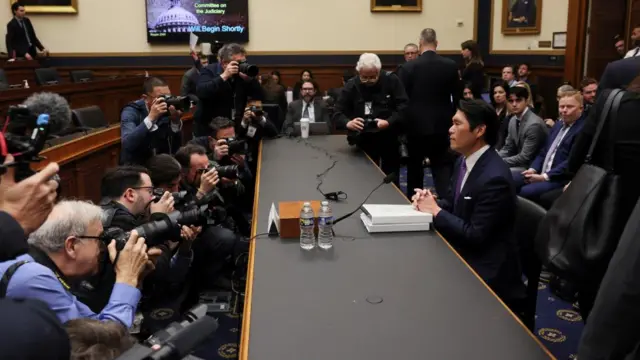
(128, 202)
(370, 107)
(221, 246)
(67, 248)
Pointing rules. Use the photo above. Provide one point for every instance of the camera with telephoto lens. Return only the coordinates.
(236, 146)
(161, 228)
(178, 196)
(224, 171)
(248, 69)
(180, 103)
(24, 135)
(369, 123)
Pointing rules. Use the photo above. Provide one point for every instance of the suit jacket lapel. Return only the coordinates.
(473, 175)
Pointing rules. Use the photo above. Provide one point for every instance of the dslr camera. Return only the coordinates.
(24, 135)
(162, 227)
(236, 146)
(369, 123)
(224, 171)
(179, 197)
(180, 103)
(248, 69)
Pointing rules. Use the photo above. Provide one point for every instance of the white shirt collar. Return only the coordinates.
(523, 114)
(472, 159)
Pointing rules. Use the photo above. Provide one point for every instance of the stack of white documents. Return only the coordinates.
(394, 218)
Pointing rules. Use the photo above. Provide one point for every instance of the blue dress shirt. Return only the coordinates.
(36, 281)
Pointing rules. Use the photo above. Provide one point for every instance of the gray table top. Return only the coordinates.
(315, 305)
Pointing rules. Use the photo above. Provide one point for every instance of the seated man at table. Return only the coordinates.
(477, 218)
(526, 132)
(308, 107)
(148, 126)
(547, 171)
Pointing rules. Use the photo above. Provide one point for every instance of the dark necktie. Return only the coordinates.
(305, 112)
(26, 33)
(461, 174)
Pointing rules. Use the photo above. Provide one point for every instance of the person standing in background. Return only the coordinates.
(21, 36)
(434, 89)
(473, 72)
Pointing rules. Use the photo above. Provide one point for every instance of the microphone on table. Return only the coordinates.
(387, 179)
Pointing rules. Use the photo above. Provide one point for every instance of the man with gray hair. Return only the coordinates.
(67, 248)
(370, 107)
(433, 85)
(223, 89)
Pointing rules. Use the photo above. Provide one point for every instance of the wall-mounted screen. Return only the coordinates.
(171, 21)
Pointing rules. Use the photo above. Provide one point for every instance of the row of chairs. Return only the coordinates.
(47, 76)
(84, 120)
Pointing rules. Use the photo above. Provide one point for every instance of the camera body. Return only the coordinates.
(257, 110)
(180, 103)
(236, 146)
(369, 124)
(178, 196)
(248, 69)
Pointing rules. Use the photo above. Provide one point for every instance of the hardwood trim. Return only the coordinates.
(246, 315)
(185, 53)
(576, 41)
(628, 27)
(475, 20)
(527, 52)
(455, 252)
(80, 147)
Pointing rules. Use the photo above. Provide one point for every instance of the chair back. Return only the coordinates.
(89, 117)
(4, 83)
(80, 76)
(45, 76)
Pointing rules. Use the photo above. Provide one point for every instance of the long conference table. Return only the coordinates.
(373, 296)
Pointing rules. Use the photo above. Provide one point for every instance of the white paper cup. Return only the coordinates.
(304, 128)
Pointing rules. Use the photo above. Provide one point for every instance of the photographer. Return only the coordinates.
(24, 206)
(371, 107)
(148, 126)
(67, 248)
(221, 245)
(224, 87)
(128, 201)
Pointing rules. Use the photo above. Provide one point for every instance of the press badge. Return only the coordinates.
(367, 108)
(251, 131)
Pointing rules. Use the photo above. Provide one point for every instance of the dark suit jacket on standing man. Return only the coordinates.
(434, 89)
(479, 225)
(17, 43)
(618, 74)
(294, 114)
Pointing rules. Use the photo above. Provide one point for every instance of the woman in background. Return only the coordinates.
(473, 71)
(305, 75)
(467, 93)
(499, 94)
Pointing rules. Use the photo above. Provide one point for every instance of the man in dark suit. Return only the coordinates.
(477, 218)
(618, 74)
(224, 90)
(309, 106)
(21, 36)
(433, 86)
(523, 13)
(546, 173)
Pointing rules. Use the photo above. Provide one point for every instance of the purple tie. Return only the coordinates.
(461, 174)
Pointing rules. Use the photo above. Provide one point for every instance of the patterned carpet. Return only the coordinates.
(558, 324)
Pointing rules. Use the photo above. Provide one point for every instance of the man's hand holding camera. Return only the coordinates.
(221, 149)
(357, 124)
(208, 182)
(133, 261)
(164, 205)
(29, 201)
(231, 70)
(159, 108)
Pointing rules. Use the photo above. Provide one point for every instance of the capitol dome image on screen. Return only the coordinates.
(169, 16)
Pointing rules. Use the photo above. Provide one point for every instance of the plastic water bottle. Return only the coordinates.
(325, 226)
(307, 237)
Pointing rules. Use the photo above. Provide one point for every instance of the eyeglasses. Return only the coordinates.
(148, 188)
(365, 79)
(101, 240)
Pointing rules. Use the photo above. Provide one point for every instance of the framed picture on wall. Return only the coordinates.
(49, 6)
(559, 40)
(521, 17)
(396, 5)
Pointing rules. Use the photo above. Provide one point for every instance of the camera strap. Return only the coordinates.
(41, 258)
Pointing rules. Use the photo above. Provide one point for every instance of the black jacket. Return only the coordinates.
(388, 101)
(473, 73)
(13, 241)
(431, 82)
(17, 43)
(219, 97)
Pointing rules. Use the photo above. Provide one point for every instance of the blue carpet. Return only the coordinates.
(558, 324)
